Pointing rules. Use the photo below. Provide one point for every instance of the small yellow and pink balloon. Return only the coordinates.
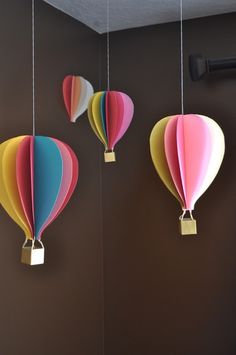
(110, 114)
(187, 152)
(37, 178)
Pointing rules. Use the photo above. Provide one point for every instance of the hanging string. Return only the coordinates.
(33, 69)
(108, 45)
(101, 216)
(181, 57)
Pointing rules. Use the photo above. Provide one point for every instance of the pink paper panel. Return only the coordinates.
(181, 152)
(32, 175)
(117, 116)
(107, 116)
(217, 154)
(75, 175)
(115, 119)
(194, 151)
(114, 116)
(126, 111)
(172, 156)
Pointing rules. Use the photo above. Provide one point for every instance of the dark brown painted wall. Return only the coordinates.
(163, 294)
(166, 294)
(54, 308)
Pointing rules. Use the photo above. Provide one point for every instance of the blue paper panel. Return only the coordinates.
(103, 113)
(48, 170)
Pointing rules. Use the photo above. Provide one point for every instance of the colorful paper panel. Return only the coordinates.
(9, 194)
(76, 93)
(126, 111)
(192, 151)
(37, 178)
(172, 156)
(114, 117)
(23, 177)
(48, 170)
(67, 90)
(157, 149)
(216, 157)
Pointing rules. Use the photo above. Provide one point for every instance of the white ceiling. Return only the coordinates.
(136, 13)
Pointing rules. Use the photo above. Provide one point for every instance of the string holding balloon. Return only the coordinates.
(110, 112)
(37, 178)
(187, 151)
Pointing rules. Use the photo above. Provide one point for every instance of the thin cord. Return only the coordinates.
(101, 215)
(108, 45)
(182, 57)
(102, 250)
(33, 68)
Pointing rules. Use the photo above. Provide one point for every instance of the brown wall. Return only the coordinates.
(166, 294)
(163, 294)
(55, 308)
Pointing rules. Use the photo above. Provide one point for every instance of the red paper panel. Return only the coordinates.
(67, 92)
(23, 176)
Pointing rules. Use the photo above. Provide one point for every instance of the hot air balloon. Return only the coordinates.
(187, 152)
(77, 92)
(37, 178)
(110, 114)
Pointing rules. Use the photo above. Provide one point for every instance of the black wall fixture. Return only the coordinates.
(199, 66)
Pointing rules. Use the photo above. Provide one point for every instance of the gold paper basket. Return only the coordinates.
(109, 156)
(188, 226)
(32, 255)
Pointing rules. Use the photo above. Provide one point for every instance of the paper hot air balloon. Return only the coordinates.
(187, 152)
(110, 114)
(77, 92)
(37, 178)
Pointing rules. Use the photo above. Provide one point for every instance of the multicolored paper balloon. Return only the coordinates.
(76, 93)
(187, 152)
(37, 178)
(110, 114)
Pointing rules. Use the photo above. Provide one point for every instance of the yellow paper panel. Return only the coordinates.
(9, 196)
(157, 149)
(90, 117)
(96, 113)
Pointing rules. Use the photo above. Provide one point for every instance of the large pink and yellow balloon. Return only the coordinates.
(187, 152)
(37, 178)
(110, 114)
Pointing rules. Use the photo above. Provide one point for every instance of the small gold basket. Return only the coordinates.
(187, 226)
(32, 254)
(109, 156)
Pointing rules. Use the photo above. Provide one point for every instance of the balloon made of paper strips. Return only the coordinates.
(110, 114)
(187, 152)
(76, 93)
(37, 178)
